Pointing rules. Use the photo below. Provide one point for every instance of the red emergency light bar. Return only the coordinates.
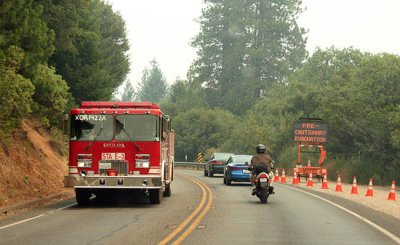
(117, 104)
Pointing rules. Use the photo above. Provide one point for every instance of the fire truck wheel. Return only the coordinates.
(167, 191)
(156, 196)
(82, 197)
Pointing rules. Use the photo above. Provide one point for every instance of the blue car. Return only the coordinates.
(236, 169)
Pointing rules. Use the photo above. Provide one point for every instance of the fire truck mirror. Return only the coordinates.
(164, 136)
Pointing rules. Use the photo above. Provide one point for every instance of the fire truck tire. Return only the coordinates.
(82, 197)
(167, 191)
(156, 196)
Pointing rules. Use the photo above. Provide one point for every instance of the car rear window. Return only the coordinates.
(241, 158)
(222, 156)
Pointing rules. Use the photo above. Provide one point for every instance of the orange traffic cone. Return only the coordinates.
(295, 179)
(325, 183)
(392, 194)
(354, 189)
(276, 175)
(370, 192)
(339, 184)
(310, 181)
(283, 178)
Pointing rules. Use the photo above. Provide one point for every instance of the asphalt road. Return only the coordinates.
(201, 210)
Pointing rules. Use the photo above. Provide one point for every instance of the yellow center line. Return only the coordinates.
(190, 217)
(199, 218)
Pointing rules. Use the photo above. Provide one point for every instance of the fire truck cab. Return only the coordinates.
(120, 146)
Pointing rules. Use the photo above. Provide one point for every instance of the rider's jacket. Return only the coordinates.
(261, 159)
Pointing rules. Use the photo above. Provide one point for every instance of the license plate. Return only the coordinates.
(245, 171)
(263, 179)
(113, 156)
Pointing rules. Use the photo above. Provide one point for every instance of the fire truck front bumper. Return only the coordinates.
(109, 182)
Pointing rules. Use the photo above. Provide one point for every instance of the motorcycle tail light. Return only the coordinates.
(263, 175)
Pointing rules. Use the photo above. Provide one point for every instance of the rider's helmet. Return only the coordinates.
(260, 148)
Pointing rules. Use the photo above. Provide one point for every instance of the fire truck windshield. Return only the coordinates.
(91, 127)
(120, 127)
(137, 128)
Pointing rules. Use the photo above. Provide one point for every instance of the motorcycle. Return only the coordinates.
(263, 188)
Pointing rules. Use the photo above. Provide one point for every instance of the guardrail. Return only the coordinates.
(189, 165)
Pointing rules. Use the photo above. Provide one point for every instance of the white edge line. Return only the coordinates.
(35, 217)
(381, 229)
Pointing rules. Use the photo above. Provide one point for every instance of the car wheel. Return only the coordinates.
(224, 180)
(228, 181)
(211, 174)
(205, 173)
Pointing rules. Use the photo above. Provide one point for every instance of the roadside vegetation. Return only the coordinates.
(251, 79)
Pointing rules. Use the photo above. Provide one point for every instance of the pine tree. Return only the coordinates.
(153, 86)
(245, 48)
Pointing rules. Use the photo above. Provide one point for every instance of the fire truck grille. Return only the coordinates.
(120, 166)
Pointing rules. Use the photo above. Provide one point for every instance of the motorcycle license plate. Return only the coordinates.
(263, 179)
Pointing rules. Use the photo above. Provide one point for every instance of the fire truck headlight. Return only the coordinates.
(142, 164)
(84, 160)
(142, 160)
(85, 164)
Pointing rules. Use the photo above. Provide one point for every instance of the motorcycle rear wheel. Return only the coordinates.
(263, 196)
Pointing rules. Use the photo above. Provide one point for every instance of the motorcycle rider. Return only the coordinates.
(259, 163)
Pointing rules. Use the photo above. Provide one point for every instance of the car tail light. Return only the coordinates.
(142, 160)
(84, 160)
(233, 168)
(217, 162)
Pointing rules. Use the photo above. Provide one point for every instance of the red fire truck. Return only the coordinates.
(120, 146)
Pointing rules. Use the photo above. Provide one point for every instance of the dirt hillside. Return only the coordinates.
(31, 165)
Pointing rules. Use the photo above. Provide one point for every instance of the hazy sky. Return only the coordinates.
(163, 29)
